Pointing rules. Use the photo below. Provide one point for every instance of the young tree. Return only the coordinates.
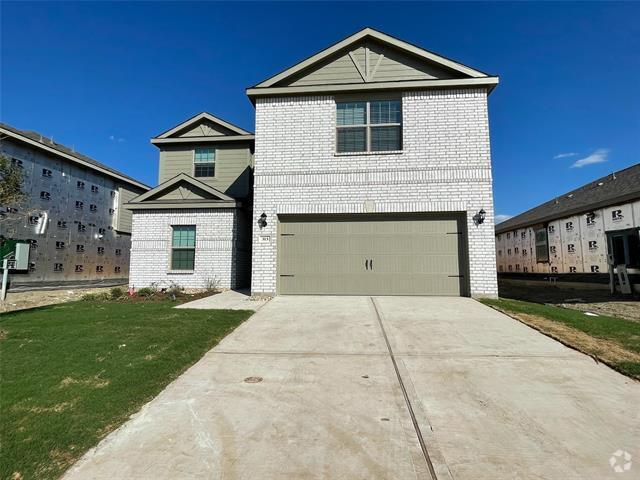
(10, 182)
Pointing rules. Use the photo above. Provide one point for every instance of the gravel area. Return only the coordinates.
(39, 298)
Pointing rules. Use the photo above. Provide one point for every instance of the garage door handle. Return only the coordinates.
(371, 264)
(366, 264)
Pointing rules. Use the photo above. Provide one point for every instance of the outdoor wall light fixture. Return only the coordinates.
(479, 217)
(262, 221)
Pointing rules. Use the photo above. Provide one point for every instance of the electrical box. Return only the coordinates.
(22, 256)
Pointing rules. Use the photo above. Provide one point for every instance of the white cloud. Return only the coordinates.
(565, 155)
(598, 156)
(502, 218)
(113, 138)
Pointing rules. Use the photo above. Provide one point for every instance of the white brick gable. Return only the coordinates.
(445, 166)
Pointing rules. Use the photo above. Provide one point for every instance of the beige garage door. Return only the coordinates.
(372, 255)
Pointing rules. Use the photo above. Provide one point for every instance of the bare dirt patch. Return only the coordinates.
(605, 351)
(38, 298)
(583, 299)
(629, 310)
(57, 408)
(93, 382)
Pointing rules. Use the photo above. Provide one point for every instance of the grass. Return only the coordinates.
(612, 340)
(72, 373)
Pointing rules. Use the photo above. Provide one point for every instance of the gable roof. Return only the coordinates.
(217, 130)
(464, 74)
(41, 142)
(618, 187)
(156, 198)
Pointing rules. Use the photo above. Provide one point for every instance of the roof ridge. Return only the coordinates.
(47, 141)
(594, 194)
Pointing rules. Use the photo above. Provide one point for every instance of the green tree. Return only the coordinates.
(10, 182)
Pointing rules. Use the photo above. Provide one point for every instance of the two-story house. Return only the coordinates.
(371, 175)
(373, 168)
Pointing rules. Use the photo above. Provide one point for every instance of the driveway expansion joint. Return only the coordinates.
(407, 401)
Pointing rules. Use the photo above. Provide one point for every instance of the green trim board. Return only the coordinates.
(213, 139)
(487, 82)
(204, 205)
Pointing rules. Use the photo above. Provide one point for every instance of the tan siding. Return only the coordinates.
(339, 70)
(205, 129)
(232, 164)
(123, 220)
(394, 66)
(183, 192)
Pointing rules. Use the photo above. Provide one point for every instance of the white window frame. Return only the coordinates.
(368, 126)
(215, 157)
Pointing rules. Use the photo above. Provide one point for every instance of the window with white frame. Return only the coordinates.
(183, 247)
(204, 161)
(371, 126)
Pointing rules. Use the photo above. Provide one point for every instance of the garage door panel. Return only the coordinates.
(372, 255)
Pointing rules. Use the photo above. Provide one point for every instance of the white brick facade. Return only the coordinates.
(220, 256)
(445, 166)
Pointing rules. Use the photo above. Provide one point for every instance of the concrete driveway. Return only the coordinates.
(389, 387)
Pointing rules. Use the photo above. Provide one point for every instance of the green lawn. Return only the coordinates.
(73, 372)
(622, 332)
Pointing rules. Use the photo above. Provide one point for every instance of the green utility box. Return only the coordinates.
(17, 251)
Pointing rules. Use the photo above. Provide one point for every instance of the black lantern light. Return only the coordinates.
(479, 217)
(262, 221)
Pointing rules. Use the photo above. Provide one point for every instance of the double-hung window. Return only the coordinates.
(204, 162)
(183, 247)
(373, 126)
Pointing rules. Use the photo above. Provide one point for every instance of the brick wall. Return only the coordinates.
(216, 257)
(445, 166)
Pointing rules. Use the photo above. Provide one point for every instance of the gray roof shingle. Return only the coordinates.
(68, 151)
(615, 188)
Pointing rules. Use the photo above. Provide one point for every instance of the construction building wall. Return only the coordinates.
(577, 244)
(70, 219)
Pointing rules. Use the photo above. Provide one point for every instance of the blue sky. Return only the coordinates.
(105, 77)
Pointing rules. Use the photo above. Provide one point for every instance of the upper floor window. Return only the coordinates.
(374, 126)
(204, 162)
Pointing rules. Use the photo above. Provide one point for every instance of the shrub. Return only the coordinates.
(146, 292)
(174, 289)
(96, 297)
(212, 284)
(116, 293)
